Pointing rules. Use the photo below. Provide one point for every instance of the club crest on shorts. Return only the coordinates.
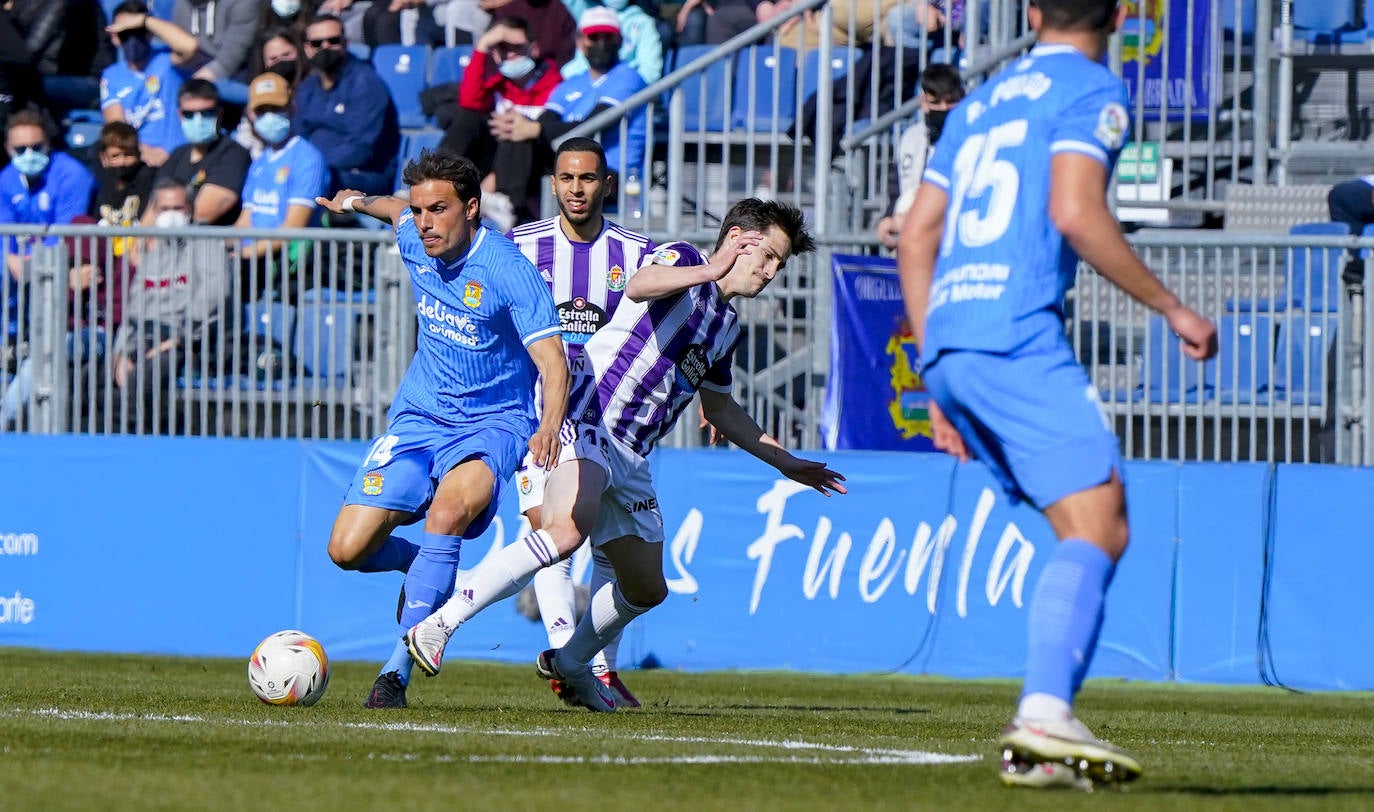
(472, 294)
(525, 485)
(615, 278)
(372, 484)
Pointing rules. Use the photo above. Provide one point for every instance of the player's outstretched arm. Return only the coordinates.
(552, 363)
(738, 427)
(1079, 211)
(661, 281)
(383, 207)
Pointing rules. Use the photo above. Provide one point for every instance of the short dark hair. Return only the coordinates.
(118, 134)
(168, 183)
(198, 89)
(30, 117)
(1076, 15)
(323, 18)
(518, 23)
(584, 145)
(752, 214)
(130, 6)
(942, 83)
(438, 164)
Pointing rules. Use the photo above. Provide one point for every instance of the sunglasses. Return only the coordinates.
(209, 111)
(20, 148)
(327, 42)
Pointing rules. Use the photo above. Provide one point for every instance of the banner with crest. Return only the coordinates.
(874, 399)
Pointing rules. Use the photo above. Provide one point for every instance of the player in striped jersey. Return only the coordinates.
(586, 260)
(674, 336)
(464, 412)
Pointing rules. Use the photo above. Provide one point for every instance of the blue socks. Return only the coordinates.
(429, 582)
(395, 555)
(1065, 619)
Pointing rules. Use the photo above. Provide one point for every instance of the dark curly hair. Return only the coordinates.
(438, 164)
(752, 214)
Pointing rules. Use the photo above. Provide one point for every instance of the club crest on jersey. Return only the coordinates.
(665, 256)
(615, 278)
(283, 172)
(472, 294)
(372, 484)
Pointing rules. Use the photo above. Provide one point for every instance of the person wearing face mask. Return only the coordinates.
(40, 186)
(289, 14)
(142, 87)
(280, 192)
(607, 83)
(124, 183)
(941, 90)
(641, 47)
(344, 109)
(210, 164)
(171, 321)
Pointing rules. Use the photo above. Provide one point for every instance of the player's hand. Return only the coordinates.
(336, 203)
(734, 248)
(888, 230)
(1197, 332)
(946, 437)
(544, 448)
(812, 473)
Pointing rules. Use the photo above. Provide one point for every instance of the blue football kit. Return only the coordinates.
(995, 356)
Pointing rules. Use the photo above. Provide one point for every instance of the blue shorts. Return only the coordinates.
(1034, 418)
(403, 467)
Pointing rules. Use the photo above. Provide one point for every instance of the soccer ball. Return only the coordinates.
(289, 668)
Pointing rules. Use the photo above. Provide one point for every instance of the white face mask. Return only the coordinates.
(171, 219)
(286, 8)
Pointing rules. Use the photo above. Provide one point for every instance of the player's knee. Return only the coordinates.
(646, 592)
(565, 536)
(346, 551)
(449, 520)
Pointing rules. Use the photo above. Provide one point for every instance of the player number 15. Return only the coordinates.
(979, 172)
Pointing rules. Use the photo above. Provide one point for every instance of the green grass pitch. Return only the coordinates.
(82, 731)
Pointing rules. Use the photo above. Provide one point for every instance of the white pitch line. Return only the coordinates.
(843, 754)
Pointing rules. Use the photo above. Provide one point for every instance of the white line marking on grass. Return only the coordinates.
(838, 753)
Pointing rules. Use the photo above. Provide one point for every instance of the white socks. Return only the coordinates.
(608, 614)
(498, 577)
(1043, 706)
(557, 598)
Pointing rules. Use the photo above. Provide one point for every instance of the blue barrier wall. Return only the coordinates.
(1236, 573)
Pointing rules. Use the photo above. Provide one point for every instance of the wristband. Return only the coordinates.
(349, 203)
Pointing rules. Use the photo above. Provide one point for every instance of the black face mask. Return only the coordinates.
(935, 124)
(136, 47)
(602, 56)
(126, 174)
(286, 69)
(330, 60)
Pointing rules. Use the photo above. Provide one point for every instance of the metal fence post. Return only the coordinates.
(48, 337)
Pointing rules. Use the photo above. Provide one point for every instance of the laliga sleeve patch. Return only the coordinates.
(1112, 124)
(665, 256)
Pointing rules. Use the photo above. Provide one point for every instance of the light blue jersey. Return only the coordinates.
(279, 178)
(1003, 269)
(149, 99)
(477, 315)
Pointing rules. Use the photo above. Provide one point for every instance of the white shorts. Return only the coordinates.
(629, 506)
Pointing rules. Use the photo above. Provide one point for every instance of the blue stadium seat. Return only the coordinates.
(447, 64)
(412, 144)
(1313, 277)
(402, 68)
(83, 134)
(706, 93)
(1325, 21)
(267, 326)
(1300, 360)
(360, 50)
(766, 88)
(945, 56)
(1245, 353)
(1171, 376)
(324, 342)
(841, 60)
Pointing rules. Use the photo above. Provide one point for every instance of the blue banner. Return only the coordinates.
(203, 547)
(1164, 62)
(874, 400)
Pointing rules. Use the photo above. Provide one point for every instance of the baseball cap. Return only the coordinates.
(268, 89)
(599, 20)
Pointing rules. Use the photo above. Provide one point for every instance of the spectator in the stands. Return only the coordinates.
(640, 45)
(1352, 202)
(941, 90)
(67, 46)
(550, 24)
(506, 73)
(172, 316)
(281, 53)
(225, 31)
(142, 88)
(860, 17)
(287, 14)
(41, 186)
(345, 110)
(280, 192)
(712, 22)
(124, 183)
(607, 84)
(210, 164)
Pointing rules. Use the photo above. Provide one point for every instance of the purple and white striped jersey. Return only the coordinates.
(587, 279)
(645, 366)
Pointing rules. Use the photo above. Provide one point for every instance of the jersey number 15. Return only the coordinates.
(979, 173)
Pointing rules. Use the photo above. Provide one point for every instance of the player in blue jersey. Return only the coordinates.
(1013, 197)
(460, 420)
(586, 260)
(671, 339)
